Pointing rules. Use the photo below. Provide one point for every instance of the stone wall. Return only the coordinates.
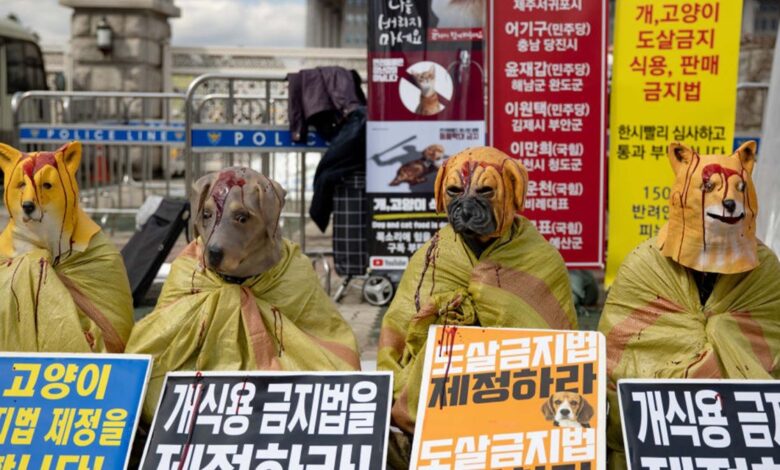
(135, 64)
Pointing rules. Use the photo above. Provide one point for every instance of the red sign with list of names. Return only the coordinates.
(547, 108)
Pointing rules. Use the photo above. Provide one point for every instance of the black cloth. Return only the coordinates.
(346, 155)
(322, 97)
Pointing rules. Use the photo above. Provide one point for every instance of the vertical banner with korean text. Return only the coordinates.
(271, 420)
(523, 398)
(547, 107)
(62, 411)
(674, 79)
(426, 103)
(692, 424)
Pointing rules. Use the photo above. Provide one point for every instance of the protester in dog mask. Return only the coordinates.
(488, 267)
(702, 300)
(56, 265)
(240, 297)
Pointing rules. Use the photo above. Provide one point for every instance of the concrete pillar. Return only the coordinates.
(768, 167)
(140, 29)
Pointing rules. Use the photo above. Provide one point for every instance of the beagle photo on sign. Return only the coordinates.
(568, 410)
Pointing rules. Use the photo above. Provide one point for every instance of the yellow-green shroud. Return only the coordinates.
(656, 326)
(520, 281)
(279, 320)
(81, 305)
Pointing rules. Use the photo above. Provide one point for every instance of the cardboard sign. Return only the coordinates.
(426, 103)
(674, 79)
(547, 99)
(701, 424)
(512, 398)
(62, 411)
(271, 420)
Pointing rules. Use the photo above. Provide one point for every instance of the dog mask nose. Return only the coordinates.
(730, 205)
(565, 412)
(28, 207)
(215, 255)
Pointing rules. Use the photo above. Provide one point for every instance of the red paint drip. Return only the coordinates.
(226, 181)
(430, 257)
(238, 402)
(195, 412)
(725, 173)
(448, 339)
(13, 292)
(280, 333)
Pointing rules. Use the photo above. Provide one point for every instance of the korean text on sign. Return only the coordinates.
(271, 422)
(674, 80)
(69, 411)
(727, 424)
(489, 377)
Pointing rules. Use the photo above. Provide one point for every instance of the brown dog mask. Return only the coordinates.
(713, 209)
(481, 189)
(237, 214)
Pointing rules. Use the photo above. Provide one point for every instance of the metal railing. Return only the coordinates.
(257, 138)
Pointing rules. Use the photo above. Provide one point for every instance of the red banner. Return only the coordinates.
(547, 65)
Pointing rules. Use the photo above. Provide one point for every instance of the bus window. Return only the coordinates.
(24, 66)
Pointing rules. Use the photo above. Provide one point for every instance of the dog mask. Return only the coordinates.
(42, 197)
(713, 208)
(237, 214)
(566, 408)
(481, 190)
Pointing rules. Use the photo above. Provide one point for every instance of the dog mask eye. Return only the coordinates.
(21, 185)
(575, 403)
(741, 186)
(46, 185)
(206, 215)
(707, 186)
(454, 191)
(558, 402)
(485, 191)
(241, 218)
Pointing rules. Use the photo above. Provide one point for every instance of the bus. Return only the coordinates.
(21, 69)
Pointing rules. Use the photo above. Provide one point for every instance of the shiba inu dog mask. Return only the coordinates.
(42, 198)
(481, 189)
(713, 209)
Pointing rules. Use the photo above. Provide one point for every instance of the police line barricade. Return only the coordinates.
(696, 424)
(131, 142)
(69, 410)
(256, 138)
(271, 420)
(531, 398)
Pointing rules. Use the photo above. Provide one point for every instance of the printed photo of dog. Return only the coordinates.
(429, 98)
(417, 171)
(568, 410)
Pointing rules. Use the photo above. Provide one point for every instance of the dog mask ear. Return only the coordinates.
(547, 410)
(71, 156)
(680, 156)
(200, 191)
(438, 188)
(9, 156)
(519, 178)
(747, 154)
(586, 411)
(272, 197)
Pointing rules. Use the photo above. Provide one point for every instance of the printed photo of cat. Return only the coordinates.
(459, 13)
(429, 98)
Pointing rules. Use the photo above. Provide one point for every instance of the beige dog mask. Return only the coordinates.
(487, 179)
(713, 208)
(237, 214)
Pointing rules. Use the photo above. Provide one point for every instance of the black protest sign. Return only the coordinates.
(697, 424)
(271, 421)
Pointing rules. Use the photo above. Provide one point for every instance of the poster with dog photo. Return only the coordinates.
(531, 398)
(426, 102)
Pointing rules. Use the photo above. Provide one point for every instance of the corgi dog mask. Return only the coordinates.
(713, 209)
(42, 198)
